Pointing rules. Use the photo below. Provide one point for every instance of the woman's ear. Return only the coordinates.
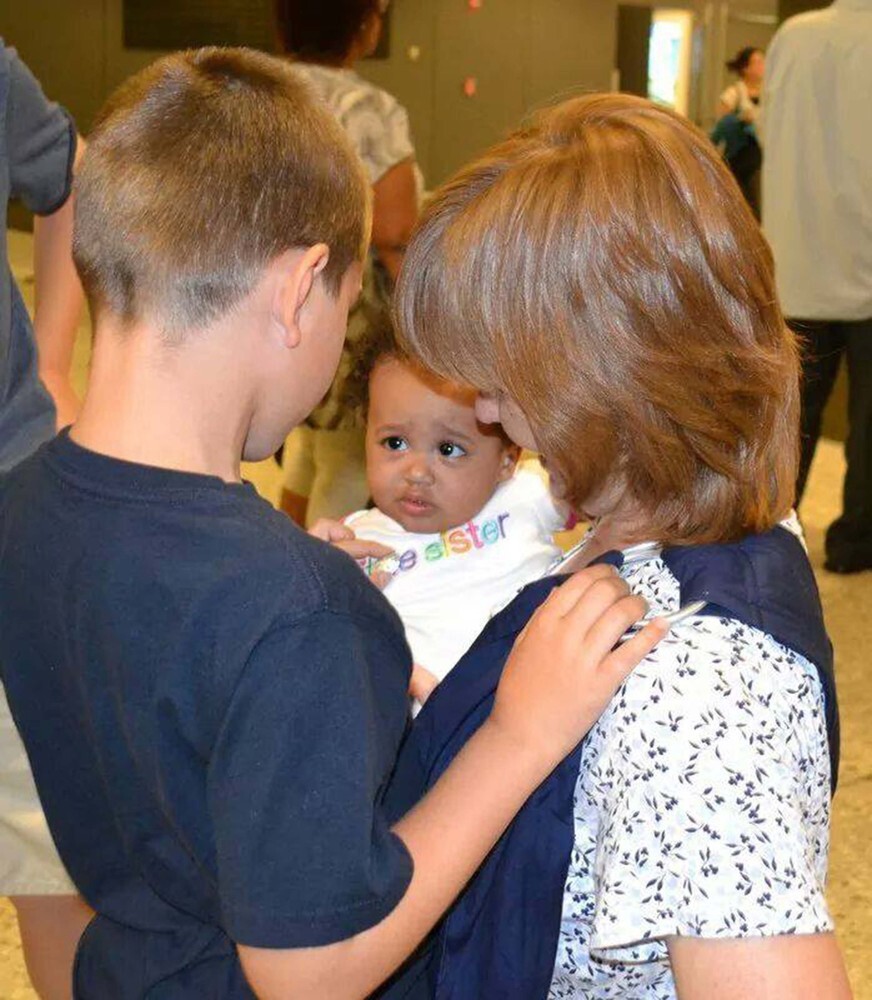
(509, 461)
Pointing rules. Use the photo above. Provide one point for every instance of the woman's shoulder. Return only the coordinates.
(348, 93)
(708, 774)
(374, 120)
(712, 675)
(722, 664)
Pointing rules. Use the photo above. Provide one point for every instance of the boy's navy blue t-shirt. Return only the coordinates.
(212, 703)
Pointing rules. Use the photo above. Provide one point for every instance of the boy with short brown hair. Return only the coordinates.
(212, 700)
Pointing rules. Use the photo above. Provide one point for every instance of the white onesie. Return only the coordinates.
(448, 585)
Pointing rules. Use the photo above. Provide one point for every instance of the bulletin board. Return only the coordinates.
(183, 24)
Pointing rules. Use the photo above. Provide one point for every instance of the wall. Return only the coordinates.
(787, 8)
(522, 53)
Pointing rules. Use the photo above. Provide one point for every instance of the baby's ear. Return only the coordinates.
(509, 461)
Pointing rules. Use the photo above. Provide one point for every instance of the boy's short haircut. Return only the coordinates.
(200, 170)
(601, 267)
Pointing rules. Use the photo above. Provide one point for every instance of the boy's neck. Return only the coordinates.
(181, 408)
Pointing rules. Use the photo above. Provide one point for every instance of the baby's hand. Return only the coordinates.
(422, 684)
(565, 666)
(340, 535)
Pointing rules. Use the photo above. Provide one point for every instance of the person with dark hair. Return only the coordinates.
(743, 97)
(467, 526)
(39, 148)
(323, 460)
(328, 33)
(735, 132)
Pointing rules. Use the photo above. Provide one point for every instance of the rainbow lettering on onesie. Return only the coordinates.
(458, 541)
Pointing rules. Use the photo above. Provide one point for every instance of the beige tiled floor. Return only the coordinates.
(848, 607)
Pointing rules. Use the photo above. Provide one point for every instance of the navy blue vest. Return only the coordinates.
(499, 940)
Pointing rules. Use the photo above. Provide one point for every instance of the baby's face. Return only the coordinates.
(431, 466)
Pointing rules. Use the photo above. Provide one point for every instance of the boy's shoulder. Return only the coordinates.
(290, 558)
(202, 541)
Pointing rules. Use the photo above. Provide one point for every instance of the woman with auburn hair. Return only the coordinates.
(598, 278)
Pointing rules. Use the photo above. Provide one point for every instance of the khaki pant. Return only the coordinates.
(29, 863)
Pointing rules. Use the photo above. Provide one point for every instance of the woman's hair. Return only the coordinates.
(601, 267)
(321, 31)
(739, 63)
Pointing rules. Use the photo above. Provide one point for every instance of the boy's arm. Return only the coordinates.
(59, 301)
(562, 673)
(785, 967)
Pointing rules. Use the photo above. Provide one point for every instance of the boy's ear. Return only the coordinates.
(509, 461)
(297, 273)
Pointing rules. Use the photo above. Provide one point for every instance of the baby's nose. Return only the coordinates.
(418, 469)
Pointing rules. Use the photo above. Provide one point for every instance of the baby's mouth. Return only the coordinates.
(416, 505)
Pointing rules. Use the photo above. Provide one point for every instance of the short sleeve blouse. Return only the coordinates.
(701, 808)
(375, 122)
(740, 102)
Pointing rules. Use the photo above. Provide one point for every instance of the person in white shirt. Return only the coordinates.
(466, 527)
(817, 214)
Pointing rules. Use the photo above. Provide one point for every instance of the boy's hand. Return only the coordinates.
(340, 535)
(565, 666)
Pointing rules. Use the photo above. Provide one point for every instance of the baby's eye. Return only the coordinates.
(448, 449)
(394, 443)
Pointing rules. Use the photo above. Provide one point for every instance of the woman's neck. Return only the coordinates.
(611, 533)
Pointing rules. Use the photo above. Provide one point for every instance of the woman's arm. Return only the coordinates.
(59, 301)
(560, 676)
(786, 967)
(394, 212)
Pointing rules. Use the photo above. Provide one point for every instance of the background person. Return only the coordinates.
(738, 110)
(742, 98)
(817, 214)
(324, 473)
(38, 150)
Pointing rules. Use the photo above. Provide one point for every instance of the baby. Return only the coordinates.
(468, 526)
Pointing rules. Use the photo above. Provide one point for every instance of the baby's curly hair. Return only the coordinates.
(376, 344)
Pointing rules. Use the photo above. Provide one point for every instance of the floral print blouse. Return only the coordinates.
(702, 804)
